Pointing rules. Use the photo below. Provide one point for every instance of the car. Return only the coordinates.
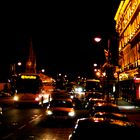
(4, 94)
(104, 107)
(59, 94)
(89, 128)
(110, 115)
(60, 109)
(94, 95)
(93, 101)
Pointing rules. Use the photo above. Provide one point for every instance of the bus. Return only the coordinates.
(93, 86)
(28, 89)
(130, 90)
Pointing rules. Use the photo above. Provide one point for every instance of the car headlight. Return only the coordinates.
(16, 98)
(49, 112)
(79, 89)
(72, 113)
(37, 99)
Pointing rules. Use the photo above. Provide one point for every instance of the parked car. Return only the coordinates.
(4, 94)
(93, 101)
(88, 128)
(104, 107)
(111, 116)
(94, 95)
(60, 109)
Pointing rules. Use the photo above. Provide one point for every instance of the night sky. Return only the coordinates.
(61, 32)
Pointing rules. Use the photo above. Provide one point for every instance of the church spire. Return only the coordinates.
(31, 62)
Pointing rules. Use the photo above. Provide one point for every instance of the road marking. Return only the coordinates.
(21, 127)
(10, 134)
(5, 137)
(35, 119)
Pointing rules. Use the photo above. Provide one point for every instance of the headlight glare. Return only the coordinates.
(72, 113)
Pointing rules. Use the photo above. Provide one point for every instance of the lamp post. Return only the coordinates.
(15, 68)
(108, 67)
(19, 67)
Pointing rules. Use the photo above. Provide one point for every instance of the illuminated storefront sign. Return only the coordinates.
(28, 77)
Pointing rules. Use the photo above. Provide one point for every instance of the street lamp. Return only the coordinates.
(97, 39)
(19, 63)
(43, 70)
(95, 65)
(15, 68)
(108, 67)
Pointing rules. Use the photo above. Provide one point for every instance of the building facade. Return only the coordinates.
(128, 28)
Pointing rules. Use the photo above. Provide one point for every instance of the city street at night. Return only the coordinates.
(70, 70)
(29, 123)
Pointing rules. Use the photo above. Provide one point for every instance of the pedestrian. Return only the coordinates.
(115, 97)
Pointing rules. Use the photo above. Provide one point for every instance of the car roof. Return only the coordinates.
(111, 115)
(107, 104)
(93, 125)
(59, 94)
(88, 128)
(105, 107)
(62, 99)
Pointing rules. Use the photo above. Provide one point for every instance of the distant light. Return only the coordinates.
(98, 73)
(97, 39)
(95, 69)
(43, 70)
(95, 65)
(19, 63)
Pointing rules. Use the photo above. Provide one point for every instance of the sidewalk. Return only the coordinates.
(127, 106)
(122, 102)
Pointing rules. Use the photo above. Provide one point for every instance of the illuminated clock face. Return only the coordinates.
(29, 63)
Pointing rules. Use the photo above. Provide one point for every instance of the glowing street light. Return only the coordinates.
(42, 70)
(95, 65)
(15, 68)
(19, 63)
(97, 39)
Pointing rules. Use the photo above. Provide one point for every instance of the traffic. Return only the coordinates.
(64, 109)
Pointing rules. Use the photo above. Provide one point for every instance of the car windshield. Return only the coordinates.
(28, 85)
(59, 95)
(61, 103)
